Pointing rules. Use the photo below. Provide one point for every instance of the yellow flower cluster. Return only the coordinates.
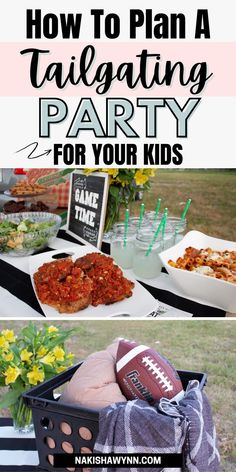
(142, 176)
(124, 183)
(11, 374)
(60, 369)
(70, 356)
(88, 171)
(8, 356)
(29, 362)
(4, 344)
(9, 335)
(25, 355)
(52, 329)
(57, 354)
(6, 338)
(48, 359)
(35, 375)
(42, 351)
(149, 172)
(112, 172)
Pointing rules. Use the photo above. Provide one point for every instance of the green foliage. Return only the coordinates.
(10, 398)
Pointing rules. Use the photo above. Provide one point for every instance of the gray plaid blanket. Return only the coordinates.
(137, 427)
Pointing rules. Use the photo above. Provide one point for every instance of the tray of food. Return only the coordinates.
(204, 268)
(82, 281)
(24, 189)
(20, 206)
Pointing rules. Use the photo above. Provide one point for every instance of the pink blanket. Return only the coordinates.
(94, 383)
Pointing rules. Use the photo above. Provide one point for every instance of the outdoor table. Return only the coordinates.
(17, 451)
(18, 298)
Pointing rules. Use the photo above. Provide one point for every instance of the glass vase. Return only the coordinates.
(116, 209)
(22, 416)
(112, 214)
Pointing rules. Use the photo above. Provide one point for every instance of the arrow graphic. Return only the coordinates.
(35, 145)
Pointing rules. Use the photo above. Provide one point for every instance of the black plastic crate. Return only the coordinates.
(48, 416)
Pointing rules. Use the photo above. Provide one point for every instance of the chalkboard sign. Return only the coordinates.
(87, 206)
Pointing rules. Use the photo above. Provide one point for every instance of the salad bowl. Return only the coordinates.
(23, 234)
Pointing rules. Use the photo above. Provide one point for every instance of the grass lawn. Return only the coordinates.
(207, 346)
(213, 193)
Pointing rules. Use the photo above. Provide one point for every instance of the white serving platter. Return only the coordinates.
(198, 287)
(139, 305)
(24, 195)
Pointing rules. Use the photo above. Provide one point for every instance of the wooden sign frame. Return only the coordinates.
(81, 230)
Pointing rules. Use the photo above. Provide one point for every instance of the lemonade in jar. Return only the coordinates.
(147, 264)
(122, 245)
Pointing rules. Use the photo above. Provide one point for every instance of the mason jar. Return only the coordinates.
(122, 245)
(151, 216)
(166, 238)
(135, 221)
(147, 265)
(179, 234)
(170, 238)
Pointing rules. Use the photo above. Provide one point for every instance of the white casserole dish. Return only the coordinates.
(201, 288)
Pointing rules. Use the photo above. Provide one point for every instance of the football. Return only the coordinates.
(145, 374)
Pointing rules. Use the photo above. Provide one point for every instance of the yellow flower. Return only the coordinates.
(59, 353)
(35, 375)
(140, 178)
(150, 172)
(42, 351)
(9, 335)
(8, 356)
(70, 356)
(124, 183)
(112, 172)
(52, 329)
(60, 369)
(48, 359)
(4, 344)
(25, 355)
(89, 171)
(11, 374)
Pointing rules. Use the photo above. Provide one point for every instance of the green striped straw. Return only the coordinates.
(155, 236)
(178, 226)
(158, 206)
(141, 213)
(126, 226)
(164, 223)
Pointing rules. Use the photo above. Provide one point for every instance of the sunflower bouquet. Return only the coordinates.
(28, 359)
(124, 185)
